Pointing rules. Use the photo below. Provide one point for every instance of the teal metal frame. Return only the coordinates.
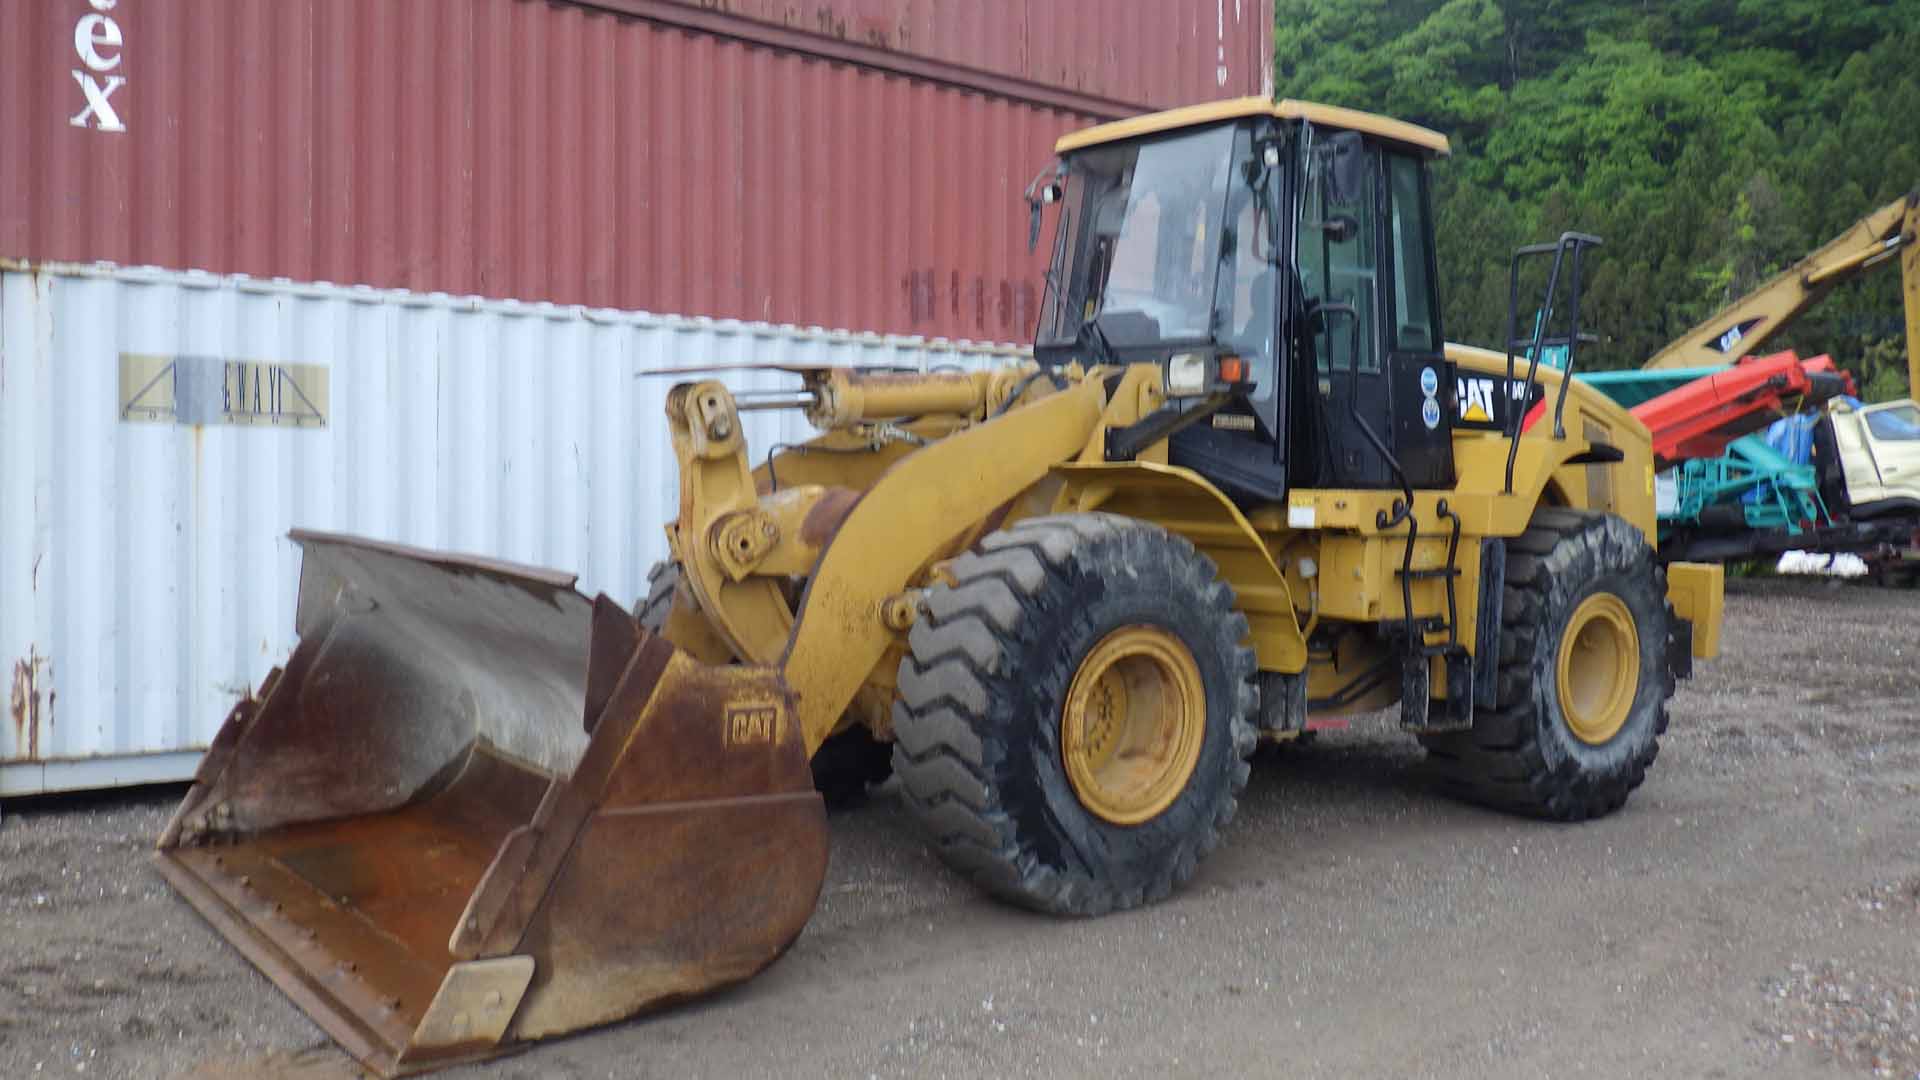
(1773, 491)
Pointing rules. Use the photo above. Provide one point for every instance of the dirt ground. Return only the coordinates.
(1754, 911)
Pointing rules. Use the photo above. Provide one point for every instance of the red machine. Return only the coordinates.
(1701, 418)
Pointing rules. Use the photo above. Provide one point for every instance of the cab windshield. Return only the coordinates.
(1140, 245)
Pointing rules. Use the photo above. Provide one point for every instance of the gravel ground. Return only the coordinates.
(1754, 911)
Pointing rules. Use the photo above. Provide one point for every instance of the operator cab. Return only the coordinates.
(1278, 259)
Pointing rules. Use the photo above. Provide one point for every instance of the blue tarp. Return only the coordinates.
(1792, 437)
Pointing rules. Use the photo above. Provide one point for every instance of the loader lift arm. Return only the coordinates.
(840, 633)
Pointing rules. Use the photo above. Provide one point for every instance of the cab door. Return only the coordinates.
(1422, 426)
(1339, 259)
(1856, 466)
(1242, 448)
(1892, 449)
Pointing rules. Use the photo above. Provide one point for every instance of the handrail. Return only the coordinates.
(1576, 242)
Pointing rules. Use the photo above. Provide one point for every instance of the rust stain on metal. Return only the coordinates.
(824, 519)
(903, 125)
(24, 703)
(680, 851)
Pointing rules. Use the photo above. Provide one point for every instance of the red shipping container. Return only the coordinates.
(848, 163)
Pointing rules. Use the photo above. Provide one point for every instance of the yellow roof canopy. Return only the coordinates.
(1211, 112)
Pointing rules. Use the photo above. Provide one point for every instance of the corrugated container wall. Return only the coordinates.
(160, 433)
(848, 163)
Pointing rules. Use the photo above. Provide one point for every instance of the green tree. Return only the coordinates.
(1711, 143)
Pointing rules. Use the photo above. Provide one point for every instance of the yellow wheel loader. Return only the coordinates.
(1242, 483)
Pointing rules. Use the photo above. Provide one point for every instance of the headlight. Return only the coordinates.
(1186, 374)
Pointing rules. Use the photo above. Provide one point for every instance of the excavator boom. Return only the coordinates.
(1910, 293)
(1742, 327)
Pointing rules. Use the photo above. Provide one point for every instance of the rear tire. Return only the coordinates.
(1584, 597)
(1105, 627)
(844, 765)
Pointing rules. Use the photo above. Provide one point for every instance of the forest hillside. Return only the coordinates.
(1711, 143)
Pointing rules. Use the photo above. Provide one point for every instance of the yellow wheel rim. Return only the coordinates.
(1132, 724)
(1598, 669)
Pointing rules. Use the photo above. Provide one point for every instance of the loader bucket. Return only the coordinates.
(476, 808)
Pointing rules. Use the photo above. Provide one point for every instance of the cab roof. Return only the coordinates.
(1397, 131)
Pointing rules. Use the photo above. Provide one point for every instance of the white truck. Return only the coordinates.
(1868, 463)
(1873, 469)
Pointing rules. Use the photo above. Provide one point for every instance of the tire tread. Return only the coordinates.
(950, 752)
(1500, 762)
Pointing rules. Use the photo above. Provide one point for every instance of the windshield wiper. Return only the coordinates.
(1095, 340)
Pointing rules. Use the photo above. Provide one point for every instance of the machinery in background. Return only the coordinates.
(1849, 485)
(1725, 492)
(1751, 486)
(1867, 460)
(1700, 418)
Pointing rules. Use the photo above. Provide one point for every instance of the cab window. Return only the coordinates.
(1901, 423)
(1415, 328)
(1337, 245)
(1248, 280)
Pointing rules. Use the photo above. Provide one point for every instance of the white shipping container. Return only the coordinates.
(161, 431)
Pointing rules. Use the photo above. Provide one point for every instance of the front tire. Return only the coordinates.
(1075, 713)
(1582, 679)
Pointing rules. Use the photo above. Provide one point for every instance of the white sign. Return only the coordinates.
(1666, 493)
(96, 42)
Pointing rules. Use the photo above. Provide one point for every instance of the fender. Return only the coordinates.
(1184, 503)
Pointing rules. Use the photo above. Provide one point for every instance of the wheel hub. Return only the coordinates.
(1598, 668)
(1133, 723)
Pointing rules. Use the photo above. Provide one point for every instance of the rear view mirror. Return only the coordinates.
(1346, 170)
(1040, 191)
